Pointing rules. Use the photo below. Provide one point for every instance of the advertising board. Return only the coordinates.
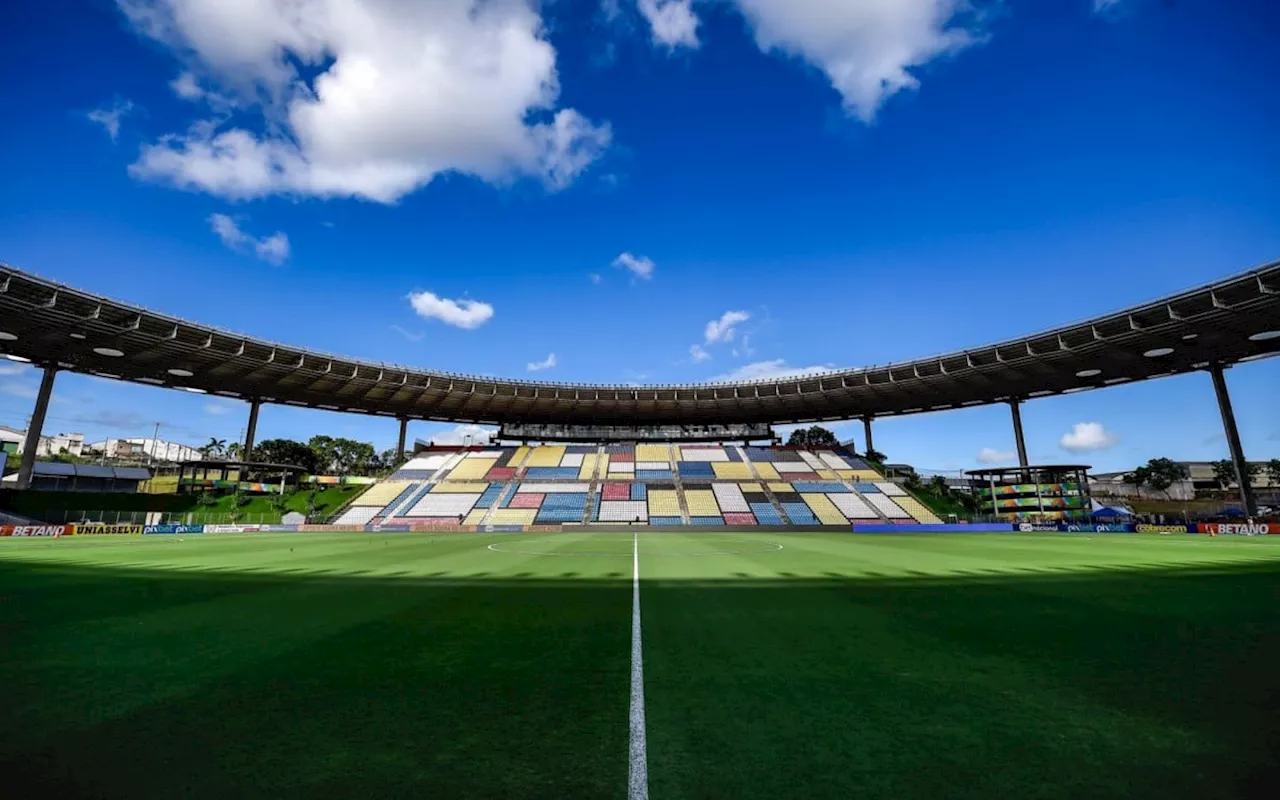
(1240, 528)
(37, 530)
(232, 528)
(1096, 528)
(1145, 528)
(173, 529)
(106, 529)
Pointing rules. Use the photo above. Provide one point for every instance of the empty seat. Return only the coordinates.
(824, 509)
(730, 498)
(664, 503)
(731, 470)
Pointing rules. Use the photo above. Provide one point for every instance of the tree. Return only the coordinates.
(1252, 469)
(1160, 474)
(216, 447)
(286, 451)
(235, 450)
(1273, 473)
(325, 451)
(1224, 473)
(939, 486)
(816, 436)
(874, 455)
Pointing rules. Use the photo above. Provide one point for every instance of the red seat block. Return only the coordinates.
(526, 500)
(739, 518)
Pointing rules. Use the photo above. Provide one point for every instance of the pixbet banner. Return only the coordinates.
(37, 530)
(173, 529)
(1097, 528)
(102, 529)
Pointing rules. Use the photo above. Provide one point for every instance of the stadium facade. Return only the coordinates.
(1210, 328)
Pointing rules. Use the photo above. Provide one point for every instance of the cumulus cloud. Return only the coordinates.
(273, 249)
(1085, 437)
(365, 98)
(186, 86)
(465, 314)
(546, 363)
(990, 455)
(672, 22)
(699, 355)
(109, 116)
(640, 266)
(768, 370)
(458, 435)
(725, 328)
(866, 49)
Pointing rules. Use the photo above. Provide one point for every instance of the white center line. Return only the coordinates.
(638, 777)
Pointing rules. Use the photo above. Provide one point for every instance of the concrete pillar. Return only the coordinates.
(1015, 406)
(1233, 440)
(252, 430)
(404, 433)
(866, 429)
(35, 428)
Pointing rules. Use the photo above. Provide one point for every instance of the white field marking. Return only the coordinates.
(771, 547)
(638, 774)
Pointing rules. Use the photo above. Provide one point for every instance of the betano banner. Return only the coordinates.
(37, 530)
(1245, 528)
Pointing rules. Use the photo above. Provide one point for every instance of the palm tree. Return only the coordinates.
(234, 450)
(215, 447)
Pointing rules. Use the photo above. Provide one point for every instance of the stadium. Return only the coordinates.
(685, 570)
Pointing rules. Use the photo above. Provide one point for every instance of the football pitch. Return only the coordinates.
(774, 665)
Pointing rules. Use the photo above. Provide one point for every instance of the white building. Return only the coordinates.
(145, 448)
(50, 446)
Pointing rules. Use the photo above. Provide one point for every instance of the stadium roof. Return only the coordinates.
(1233, 320)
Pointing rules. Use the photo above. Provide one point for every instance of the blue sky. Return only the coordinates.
(601, 180)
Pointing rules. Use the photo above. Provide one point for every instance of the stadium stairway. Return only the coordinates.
(684, 503)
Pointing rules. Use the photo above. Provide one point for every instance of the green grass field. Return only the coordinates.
(775, 665)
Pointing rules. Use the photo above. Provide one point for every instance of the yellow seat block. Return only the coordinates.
(472, 468)
(588, 469)
(732, 470)
(513, 516)
(766, 471)
(702, 503)
(845, 474)
(476, 516)
(459, 487)
(780, 487)
(381, 493)
(546, 456)
(522, 453)
(824, 509)
(750, 487)
(867, 475)
(828, 474)
(653, 452)
(918, 511)
(664, 503)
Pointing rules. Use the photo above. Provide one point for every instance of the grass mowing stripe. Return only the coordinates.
(638, 775)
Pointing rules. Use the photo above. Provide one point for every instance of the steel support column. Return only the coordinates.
(1015, 406)
(1233, 440)
(251, 431)
(866, 429)
(34, 428)
(404, 433)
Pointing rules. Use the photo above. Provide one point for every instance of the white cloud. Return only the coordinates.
(109, 116)
(273, 249)
(217, 409)
(766, 370)
(413, 336)
(366, 98)
(640, 266)
(724, 329)
(458, 435)
(546, 363)
(595, 277)
(15, 389)
(1085, 437)
(8, 368)
(186, 86)
(699, 355)
(465, 314)
(990, 455)
(672, 22)
(866, 48)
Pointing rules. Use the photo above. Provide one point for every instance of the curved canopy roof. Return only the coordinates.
(50, 324)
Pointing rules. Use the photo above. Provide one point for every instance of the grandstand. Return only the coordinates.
(652, 485)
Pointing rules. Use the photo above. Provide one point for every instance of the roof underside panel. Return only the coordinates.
(55, 325)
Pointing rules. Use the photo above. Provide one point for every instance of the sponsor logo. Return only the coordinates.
(173, 529)
(1244, 528)
(278, 528)
(1100, 528)
(232, 528)
(37, 530)
(1027, 527)
(1144, 528)
(100, 529)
